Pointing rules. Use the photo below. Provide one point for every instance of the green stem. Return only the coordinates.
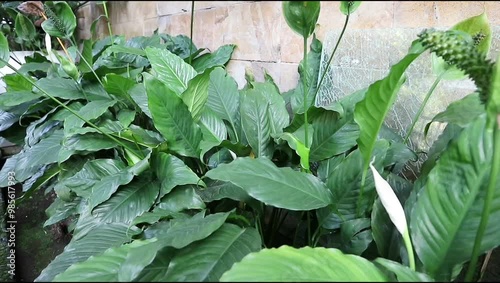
(306, 122)
(422, 106)
(409, 249)
(361, 189)
(109, 24)
(490, 193)
(191, 33)
(331, 56)
(69, 109)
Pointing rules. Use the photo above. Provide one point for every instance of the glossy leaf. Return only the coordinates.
(14, 98)
(24, 28)
(370, 112)
(213, 129)
(256, 123)
(287, 264)
(61, 21)
(218, 58)
(4, 50)
(355, 236)
(171, 172)
(196, 94)
(332, 136)
(402, 273)
(95, 242)
(138, 94)
(181, 198)
(61, 88)
(261, 179)
(104, 267)
(173, 119)
(89, 111)
(170, 69)
(207, 260)
(223, 98)
(446, 214)
(296, 142)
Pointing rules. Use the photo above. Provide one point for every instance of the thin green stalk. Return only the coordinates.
(361, 189)
(109, 24)
(409, 249)
(490, 193)
(306, 125)
(67, 108)
(331, 56)
(422, 106)
(191, 34)
(73, 41)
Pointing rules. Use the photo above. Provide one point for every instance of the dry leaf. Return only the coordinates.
(31, 8)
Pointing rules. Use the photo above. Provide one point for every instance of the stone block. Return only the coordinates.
(414, 14)
(450, 13)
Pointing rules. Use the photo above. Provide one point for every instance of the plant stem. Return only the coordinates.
(331, 56)
(422, 106)
(107, 19)
(409, 249)
(69, 109)
(304, 102)
(490, 193)
(191, 34)
(361, 189)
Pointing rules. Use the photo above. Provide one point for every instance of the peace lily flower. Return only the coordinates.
(393, 207)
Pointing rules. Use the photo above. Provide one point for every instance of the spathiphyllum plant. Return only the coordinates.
(166, 171)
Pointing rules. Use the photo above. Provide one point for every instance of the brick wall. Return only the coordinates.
(263, 39)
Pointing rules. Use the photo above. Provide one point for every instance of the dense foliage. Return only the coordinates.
(168, 172)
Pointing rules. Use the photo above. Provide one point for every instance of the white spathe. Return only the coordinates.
(390, 201)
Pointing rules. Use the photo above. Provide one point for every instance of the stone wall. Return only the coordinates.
(263, 39)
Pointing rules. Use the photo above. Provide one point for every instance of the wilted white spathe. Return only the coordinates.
(48, 46)
(390, 201)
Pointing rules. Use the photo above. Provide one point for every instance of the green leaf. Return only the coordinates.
(181, 232)
(207, 260)
(105, 267)
(218, 58)
(217, 190)
(95, 242)
(277, 113)
(296, 142)
(86, 56)
(118, 85)
(255, 122)
(128, 202)
(60, 210)
(172, 119)
(344, 183)
(287, 264)
(155, 271)
(348, 7)
(61, 88)
(332, 136)
(213, 129)
(170, 69)
(16, 82)
(125, 49)
(90, 111)
(89, 142)
(261, 179)
(181, 198)
(4, 50)
(138, 94)
(152, 217)
(301, 16)
(196, 94)
(24, 28)
(370, 112)
(172, 172)
(309, 74)
(355, 236)
(461, 112)
(224, 99)
(15, 98)
(445, 217)
(61, 21)
(402, 273)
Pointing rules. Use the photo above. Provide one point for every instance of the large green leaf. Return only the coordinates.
(263, 180)
(172, 118)
(213, 129)
(296, 141)
(14, 98)
(448, 209)
(370, 112)
(181, 198)
(310, 74)
(344, 183)
(355, 236)
(171, 172)
(128, 202)
(332, 136)
(287, 264)
(106, 267)
(196, 94)
(277, 113)
(89, 111)
(223, 98)
(24, 28)
(138, 94)
(170, 69)
(61, 21)
(179, 233)
(95, 242)
(460, 112)
(4, 50)
(155, 271)
(89, 141)
(401, 273)
(207, 260)
(218, 58)
(61, 88)
(255, 122)
(17, 82)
